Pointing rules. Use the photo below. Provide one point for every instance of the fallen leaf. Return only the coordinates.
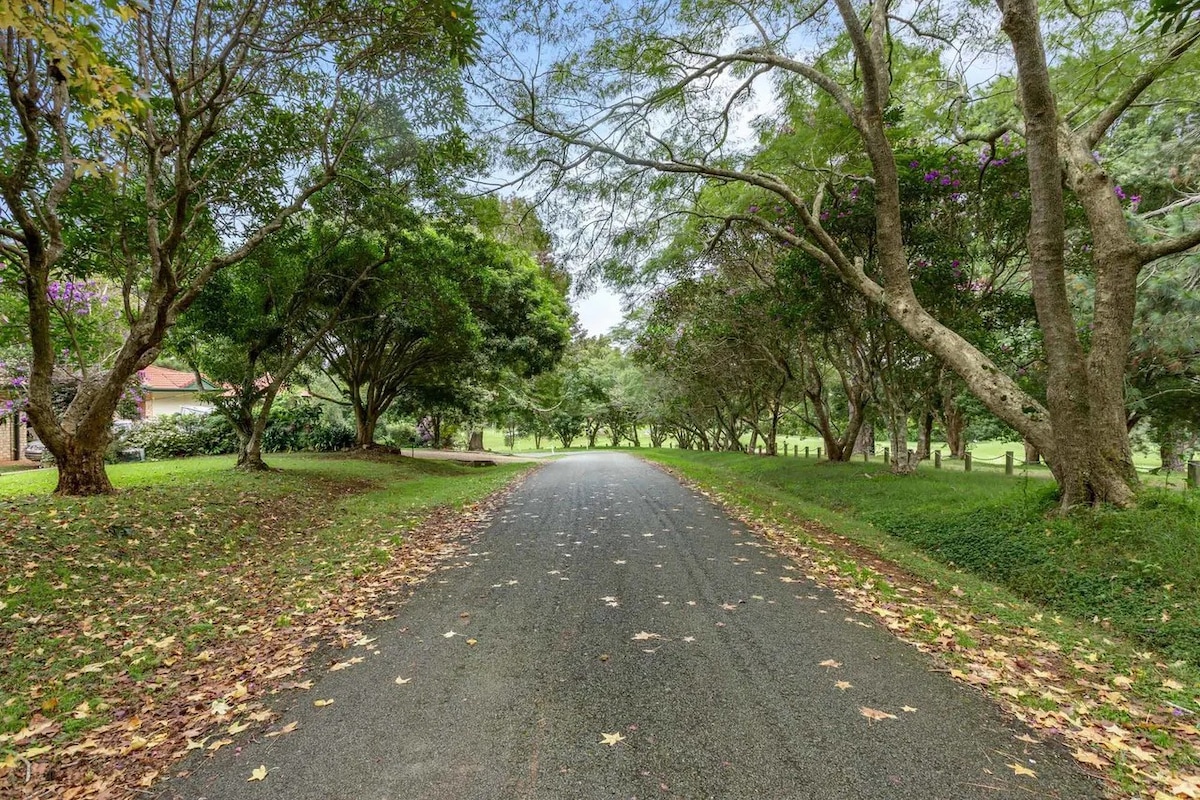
(401, 681)
(322, 703)
(644, 635)
(1021, 769)
(1090, 758)
(1188, 786)
(908, 709)
(829, 662)
(611, 738)
(449, 635)
(875, 714)
(218, 744)
(291, 726)
(258, 774)
(1025, 737)
(844, 685)
(238, 727)
(348, 663)
(472, 642)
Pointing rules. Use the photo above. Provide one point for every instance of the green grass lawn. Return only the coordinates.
(987, 456)
(106, 602)
(1136, 572)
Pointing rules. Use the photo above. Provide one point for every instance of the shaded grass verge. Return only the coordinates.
(137, 623)
(1129, 710)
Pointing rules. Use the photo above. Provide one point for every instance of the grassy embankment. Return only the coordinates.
(113, 608)
(988, 456)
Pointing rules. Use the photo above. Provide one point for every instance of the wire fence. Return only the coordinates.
(1186, 476)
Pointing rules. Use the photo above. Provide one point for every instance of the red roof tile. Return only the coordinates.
(162, 378)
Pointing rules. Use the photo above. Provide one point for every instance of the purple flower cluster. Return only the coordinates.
(76, 297)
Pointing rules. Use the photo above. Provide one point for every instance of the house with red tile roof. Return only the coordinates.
(172, 391)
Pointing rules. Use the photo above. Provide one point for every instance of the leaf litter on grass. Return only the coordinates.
(1144, 745)
(151, 664)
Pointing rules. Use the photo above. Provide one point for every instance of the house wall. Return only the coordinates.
(12, 432)
(160, 404)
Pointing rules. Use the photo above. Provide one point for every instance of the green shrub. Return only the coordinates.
(295, 425)
(179, 435)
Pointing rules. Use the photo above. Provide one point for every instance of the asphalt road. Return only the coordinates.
(722, 696)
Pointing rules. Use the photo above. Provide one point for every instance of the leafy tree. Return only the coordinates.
(447, 308)
(645, 102)
(148, 147)
(258, 320)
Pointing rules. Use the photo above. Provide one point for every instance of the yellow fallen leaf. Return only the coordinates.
(875, 714)
(1187, 786)
(844, 685)
(238, 727)
(1172, 684)
(34, 752)
(829, 662)
(1090, 758)
(262, 716)
(1025, 737)
(644, 635)
(348, 663)
(908, 709)
(1021, 769)
(322, 703)
(218, 744)
(400, 681)
(258, 774)
(611, 738)
(472, 642)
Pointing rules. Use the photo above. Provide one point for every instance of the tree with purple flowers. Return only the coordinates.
(652, 101)
(217, 124)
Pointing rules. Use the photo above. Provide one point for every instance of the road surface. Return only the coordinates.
(609, 603)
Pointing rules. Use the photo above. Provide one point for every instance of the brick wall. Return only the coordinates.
(12, 438)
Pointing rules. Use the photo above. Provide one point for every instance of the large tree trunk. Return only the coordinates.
(925, 435)
(955, 423)
(475, 443)
(249, 457)
(81, 468)
(250, 445)
(1091, 457)
(364, 426)
(864, 434)
(1171, 459)
(1032, 454)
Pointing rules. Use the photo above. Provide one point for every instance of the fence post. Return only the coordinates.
(937, 459)
(785, 444)
(967, 461)
(866, 456)
(818, 454)
(887, 455)
(1193, 478)
(1008, 462)
(806, 451)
